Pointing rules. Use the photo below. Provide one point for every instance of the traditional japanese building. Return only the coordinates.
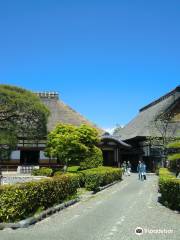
(113, 150)
(30, 152)
(139, 132)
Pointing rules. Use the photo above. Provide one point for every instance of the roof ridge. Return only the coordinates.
(48, 94)
(177, 89)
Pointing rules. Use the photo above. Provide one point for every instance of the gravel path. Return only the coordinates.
(112, 214)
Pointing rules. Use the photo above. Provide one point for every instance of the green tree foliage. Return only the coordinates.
(21, 115)
(163, 130)
(93, 160)
(174, 155)
(174, 145)
(73, 144)
(117, 131)
(8, 141)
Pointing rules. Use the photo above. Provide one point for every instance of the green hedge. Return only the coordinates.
(42, 172)
(94, 160)
(92, 179)
(175, 145)
(165, 173)
(73, 169)
(174, 157)
(23, 200)
(169, 187)
(58, 173)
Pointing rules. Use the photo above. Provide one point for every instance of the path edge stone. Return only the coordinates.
(107, 186)
(37, 218)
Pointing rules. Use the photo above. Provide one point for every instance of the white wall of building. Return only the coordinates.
(15, 155)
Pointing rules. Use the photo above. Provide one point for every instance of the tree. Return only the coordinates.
(22, 115)
(22, 110)
(117, 131)
(73, 144)
(163, 130)
(8, 142)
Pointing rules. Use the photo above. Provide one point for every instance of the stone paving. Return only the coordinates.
(112, 214)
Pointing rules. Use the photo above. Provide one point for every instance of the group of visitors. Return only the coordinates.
(141, 169)
(126, 167)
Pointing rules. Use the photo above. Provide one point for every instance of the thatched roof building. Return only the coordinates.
(141, 125)
(137, 133)
(61, 112)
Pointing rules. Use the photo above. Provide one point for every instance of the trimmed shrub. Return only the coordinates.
(97, 177)
(94, 160)
(73, 169)
(174, 145)
(58, 173)
(164, 172)
(169, 187)
(174, 157)
(23, 200)
(42, 172)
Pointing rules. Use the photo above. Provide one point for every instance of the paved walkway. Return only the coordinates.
(112, 214)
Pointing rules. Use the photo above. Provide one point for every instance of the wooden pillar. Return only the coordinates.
(120, 158)
(115, 157)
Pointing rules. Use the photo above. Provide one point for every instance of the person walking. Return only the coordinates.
(126, 168)
(140, 170)
(123, 167)
(129, 168)
(144, 171)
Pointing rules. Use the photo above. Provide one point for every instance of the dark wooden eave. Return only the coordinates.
(119, 142)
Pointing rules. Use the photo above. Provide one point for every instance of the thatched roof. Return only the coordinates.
(62, 113)
(141, 126)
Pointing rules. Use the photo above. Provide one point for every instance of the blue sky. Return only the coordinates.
(107, 59)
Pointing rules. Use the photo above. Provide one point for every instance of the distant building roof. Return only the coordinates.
(62, 113)
(109, 138)
(140, 126)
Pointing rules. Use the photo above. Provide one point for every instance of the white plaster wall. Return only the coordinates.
(15, 155)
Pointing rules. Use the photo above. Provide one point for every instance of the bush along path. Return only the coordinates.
(95, 179)
(112, 214)
(23, 200)
(38, 217)
(169, 188)
(20, 201)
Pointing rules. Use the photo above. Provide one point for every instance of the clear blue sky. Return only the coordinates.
(106, 58)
